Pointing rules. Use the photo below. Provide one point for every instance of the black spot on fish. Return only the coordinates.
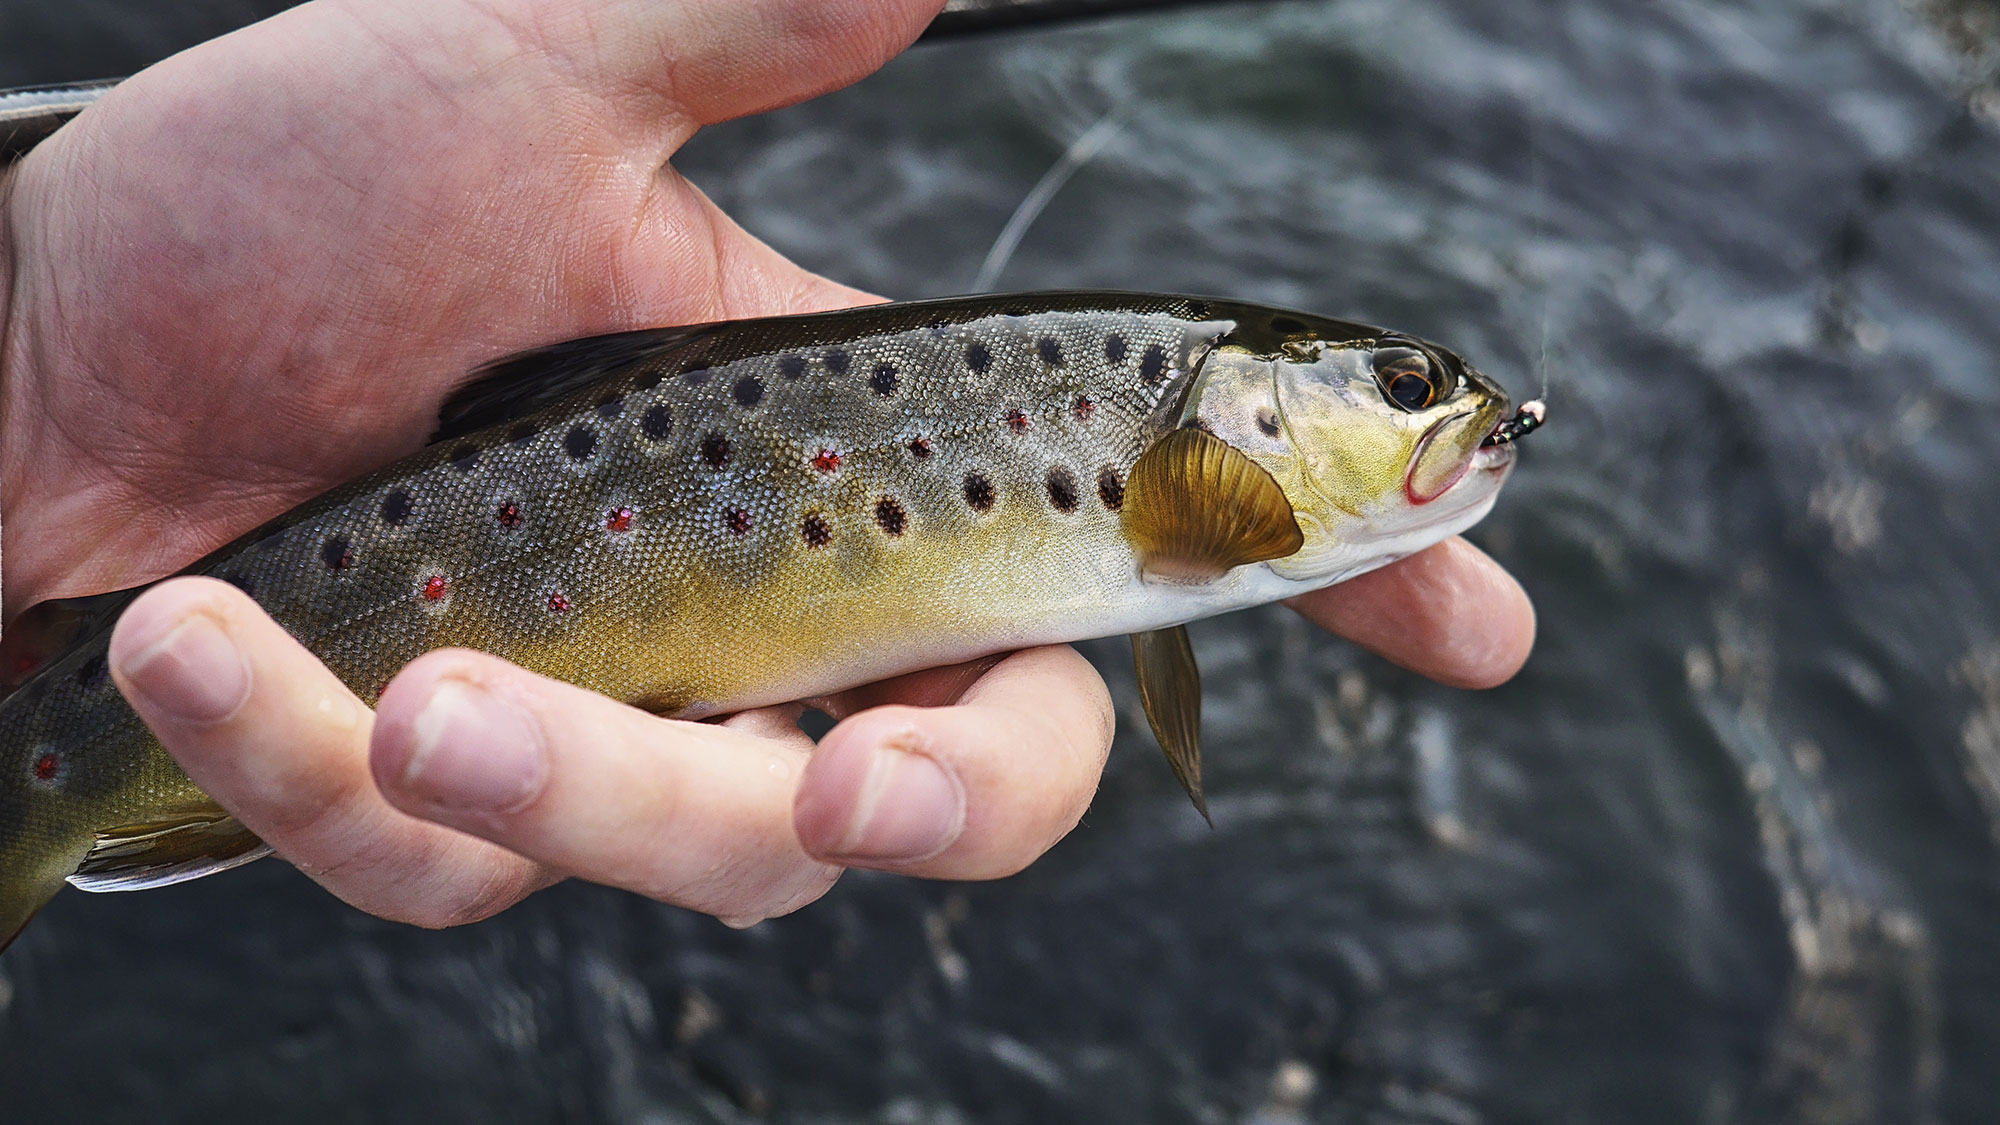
(890, 517)
(749, 391)
(658, 423)
(1111, 488)
(695, 376)
(883, 382)
(1153, 364)
(396, 508)
(836, 361)
(791, 366)
(1114, 348)
(738, 521)
(1198, 424)
(465, 458)
(1198, 310)
(1267, 421)
(920, 448)
(648, 380)
(1287, 325)
(817, 532)
(714, 450)
(93, 672)
(337, 553)
(1062, 489)
(1050, 350)
(978, 492)
(978, 358)
(509, 515)
(580, 443)
(611, 407)
(522, 433)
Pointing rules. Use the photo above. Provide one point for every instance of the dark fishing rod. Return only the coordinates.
(29, 114)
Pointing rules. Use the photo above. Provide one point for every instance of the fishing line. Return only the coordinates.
(1080, 152)
(1537, 232)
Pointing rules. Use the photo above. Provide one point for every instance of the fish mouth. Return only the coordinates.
(1496, 450)
(1421, 482)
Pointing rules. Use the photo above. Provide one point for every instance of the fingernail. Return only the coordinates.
(476, 752)
(194, 674)
(908, 808)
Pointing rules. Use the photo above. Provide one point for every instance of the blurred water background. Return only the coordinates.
(1726, 851)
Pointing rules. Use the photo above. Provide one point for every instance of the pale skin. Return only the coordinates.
(254, 272)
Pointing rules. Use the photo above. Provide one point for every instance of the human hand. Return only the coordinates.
(255, 270)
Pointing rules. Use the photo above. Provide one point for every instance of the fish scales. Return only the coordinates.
(699, 520)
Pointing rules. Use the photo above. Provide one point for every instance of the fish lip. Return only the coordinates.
(1417, 458)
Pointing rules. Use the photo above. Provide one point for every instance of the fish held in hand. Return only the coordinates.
(703, 519)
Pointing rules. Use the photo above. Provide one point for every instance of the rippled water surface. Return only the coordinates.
(1726, 851)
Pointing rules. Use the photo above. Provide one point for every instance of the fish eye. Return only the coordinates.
(1409, 376)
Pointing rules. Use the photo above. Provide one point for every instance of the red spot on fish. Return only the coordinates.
(618, 519)
(739, 521)
(510, 516)
(920, 448)
(27, 663)
(434, 587)
(1017, 420)
(46, 767)
(826, 460)
(558, 603)
(1085, 407)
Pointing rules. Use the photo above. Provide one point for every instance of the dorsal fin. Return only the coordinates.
(526, 381)
(1196, 506)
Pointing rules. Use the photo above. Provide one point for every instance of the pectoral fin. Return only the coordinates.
(1196, 506)
(140, 857)
(1170, 687)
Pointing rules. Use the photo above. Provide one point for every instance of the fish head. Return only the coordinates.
(1381, 442)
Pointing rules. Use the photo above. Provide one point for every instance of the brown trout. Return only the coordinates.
(701, 519)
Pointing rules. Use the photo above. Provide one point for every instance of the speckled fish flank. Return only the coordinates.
(703, 519)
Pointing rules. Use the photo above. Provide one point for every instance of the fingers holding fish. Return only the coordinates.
(264, 728)
(977, 789)
(1449, 612)
(696, 814)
